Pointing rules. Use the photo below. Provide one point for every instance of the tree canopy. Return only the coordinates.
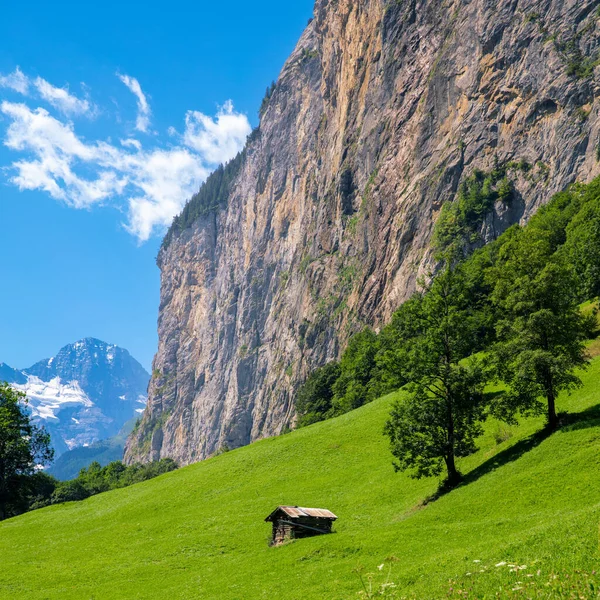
(23, 447)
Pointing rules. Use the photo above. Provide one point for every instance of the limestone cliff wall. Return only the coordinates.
(381, 110)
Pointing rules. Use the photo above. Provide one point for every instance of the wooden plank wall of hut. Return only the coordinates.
(283, 530)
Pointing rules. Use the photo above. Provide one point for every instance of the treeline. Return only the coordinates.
(44, 490)
(509, 312)
(25, 448)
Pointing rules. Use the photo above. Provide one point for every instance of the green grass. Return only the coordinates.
(199, 532)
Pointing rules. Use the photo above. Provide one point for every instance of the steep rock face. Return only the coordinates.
(379, 113)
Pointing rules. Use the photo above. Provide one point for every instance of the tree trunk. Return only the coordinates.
(551, 399)
(552, 418)
(453, 474)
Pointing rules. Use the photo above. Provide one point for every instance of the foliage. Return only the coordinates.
(566, 232)
(23, 447)
(542, 330)
(340, 387)
(580, 66)
(441, 416)
(267, 97)
(582, 247)
(457, 228)
(357, 368)
(198, 532)
(314, 399)
(44, 490)
(213, 194)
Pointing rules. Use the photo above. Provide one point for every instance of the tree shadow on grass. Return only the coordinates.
(567, 422)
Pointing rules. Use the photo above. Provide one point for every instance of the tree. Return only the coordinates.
(541, 331)
(441, 416)
(40, 487)
(69, 491)
(314, 399)
(357, 369)
(23, 447)
(582, 248)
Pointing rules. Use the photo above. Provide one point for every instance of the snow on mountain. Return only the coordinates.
(84, 394)
(48, 398)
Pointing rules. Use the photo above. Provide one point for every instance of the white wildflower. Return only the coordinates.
(380, 567)
(501, 564)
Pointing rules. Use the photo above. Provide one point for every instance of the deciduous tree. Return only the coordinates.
(541, 331)
(23, 447)
(441, 416)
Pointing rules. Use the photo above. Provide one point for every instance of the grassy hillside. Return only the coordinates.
(199, 532)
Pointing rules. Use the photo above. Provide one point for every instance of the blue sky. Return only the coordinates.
(111, 115)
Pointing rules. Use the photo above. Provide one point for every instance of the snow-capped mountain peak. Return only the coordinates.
(85, 393)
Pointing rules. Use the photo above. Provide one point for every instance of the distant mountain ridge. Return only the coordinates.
(84, 394)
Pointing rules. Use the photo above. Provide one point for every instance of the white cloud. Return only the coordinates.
(142, 122)
(154, 183)
(219, 139)
(56, 149)
(61, 99)
(167, 179)
(16, 81)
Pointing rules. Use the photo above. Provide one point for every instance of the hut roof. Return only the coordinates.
(294, 512)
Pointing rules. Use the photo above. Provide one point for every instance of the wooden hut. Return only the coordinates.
(293, 522)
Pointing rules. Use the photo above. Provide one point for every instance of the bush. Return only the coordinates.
(92, 480)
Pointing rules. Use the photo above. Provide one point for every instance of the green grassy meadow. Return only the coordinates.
(529, 500)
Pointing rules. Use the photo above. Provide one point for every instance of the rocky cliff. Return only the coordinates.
(379, 113)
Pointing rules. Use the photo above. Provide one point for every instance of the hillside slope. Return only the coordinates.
(199, 532)
(324, 223)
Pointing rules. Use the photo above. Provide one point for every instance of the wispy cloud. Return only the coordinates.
(16, 81)
(151, 184)
(61, 99)
(142, 122)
